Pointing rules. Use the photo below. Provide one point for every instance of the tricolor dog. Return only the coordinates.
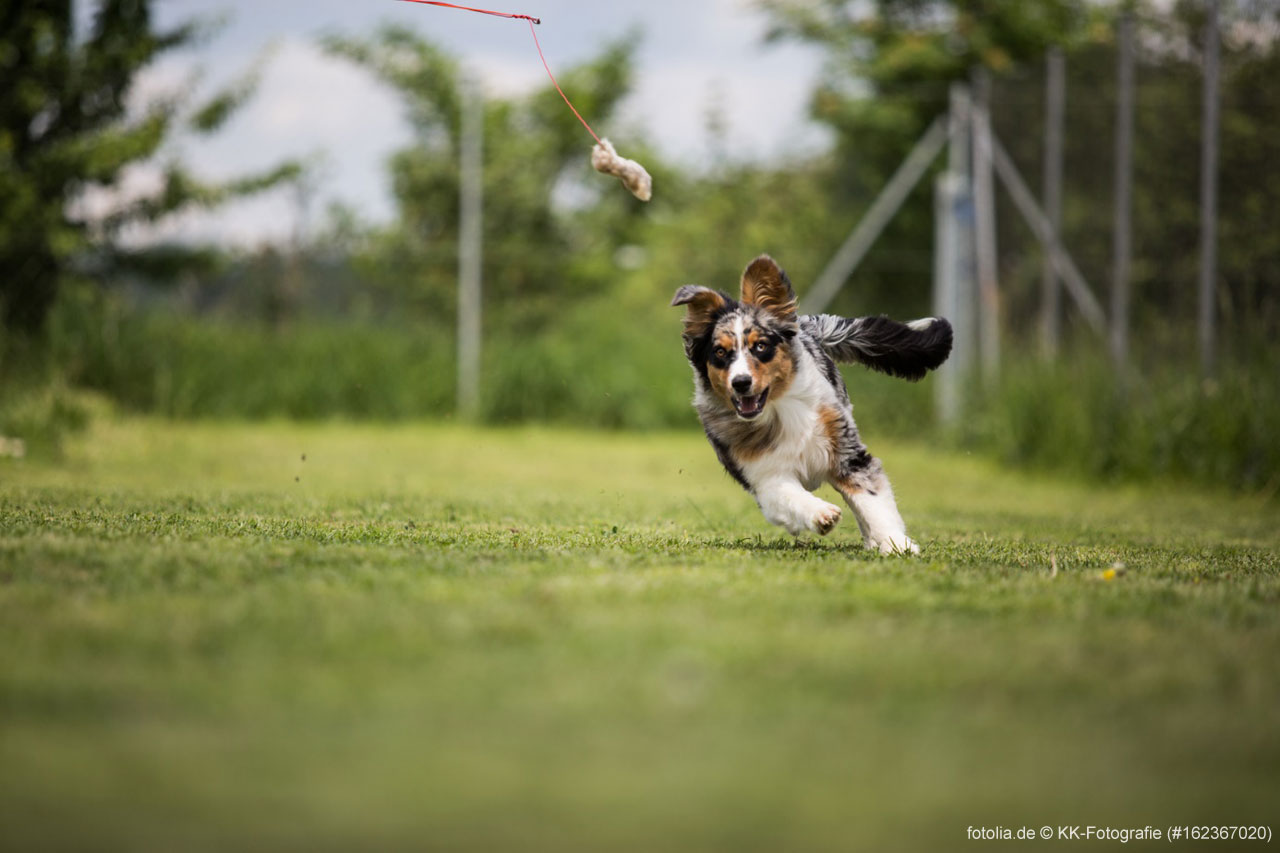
(776, 409)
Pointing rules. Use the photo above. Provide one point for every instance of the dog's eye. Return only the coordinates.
(761, 347)
(721, 352)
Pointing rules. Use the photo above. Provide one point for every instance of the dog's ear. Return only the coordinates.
(766, 286)
(703, 304)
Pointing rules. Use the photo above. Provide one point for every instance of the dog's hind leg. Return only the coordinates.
(867, 491)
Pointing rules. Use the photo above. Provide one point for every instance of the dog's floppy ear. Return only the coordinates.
(765, 285)
(703, 304)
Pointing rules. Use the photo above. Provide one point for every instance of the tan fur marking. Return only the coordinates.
(833, 426)
(719, 379)
(847, 488)
(702, 303)
(777, 373)
(763, 285)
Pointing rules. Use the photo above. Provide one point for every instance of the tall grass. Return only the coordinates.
(620, 364)
(608, 362)
(182, 366)
(1076, 415)
(617, 363)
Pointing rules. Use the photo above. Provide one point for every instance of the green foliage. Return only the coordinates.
(615, 362)
(219, 108)
(1166, 200)
(889, 65)
(578, 274)
(532, 253)
(892, 44)
(608, 361)
(184, 367)
(37, 419)
(1073, 416)
(66, 126)
(363, 637)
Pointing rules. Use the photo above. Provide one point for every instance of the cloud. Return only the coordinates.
(310, 104)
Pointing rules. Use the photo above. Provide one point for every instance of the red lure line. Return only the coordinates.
(473, 9)
(532, 20)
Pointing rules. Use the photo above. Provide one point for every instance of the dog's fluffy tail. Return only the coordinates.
(907, 350)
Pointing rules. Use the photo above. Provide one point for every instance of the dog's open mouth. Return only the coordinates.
(750, 405)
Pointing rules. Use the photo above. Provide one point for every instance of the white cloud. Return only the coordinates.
(311, 104)
(308, 106)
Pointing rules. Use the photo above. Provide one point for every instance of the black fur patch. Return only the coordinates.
(883, 344)
(722, 453)
(699, 349)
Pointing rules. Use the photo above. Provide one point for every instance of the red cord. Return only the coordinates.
(534, 33)
(557, 85)
(473, 9)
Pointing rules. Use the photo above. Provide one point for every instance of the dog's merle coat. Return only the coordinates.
(776, 409)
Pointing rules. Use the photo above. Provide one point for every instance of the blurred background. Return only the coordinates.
(246, 211)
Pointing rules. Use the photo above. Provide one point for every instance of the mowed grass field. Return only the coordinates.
(344, 637)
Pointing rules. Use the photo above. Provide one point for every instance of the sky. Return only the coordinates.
(692, 55)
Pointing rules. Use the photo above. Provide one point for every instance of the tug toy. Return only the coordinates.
(632, 174)
(604, 158)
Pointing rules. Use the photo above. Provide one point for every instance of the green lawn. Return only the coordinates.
(358, 637)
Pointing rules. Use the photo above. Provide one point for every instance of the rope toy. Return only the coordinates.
(632, 174)
(604, 158)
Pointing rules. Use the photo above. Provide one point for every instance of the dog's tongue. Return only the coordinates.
(749, 405)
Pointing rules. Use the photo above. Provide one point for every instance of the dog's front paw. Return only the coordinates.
(893, 543)
(825, 519)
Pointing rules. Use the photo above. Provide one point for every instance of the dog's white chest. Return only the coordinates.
(804, 446)
(802, 449)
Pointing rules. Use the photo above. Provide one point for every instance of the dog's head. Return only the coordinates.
(742, 348)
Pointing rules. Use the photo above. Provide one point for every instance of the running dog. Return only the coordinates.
(776, 409)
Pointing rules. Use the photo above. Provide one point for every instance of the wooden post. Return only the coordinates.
(1121, 246)
(1209, 197)
(1050, 287)
(470, 237)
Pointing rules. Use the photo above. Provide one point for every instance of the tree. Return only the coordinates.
(67, 126)
(889, 64)
(533, 247)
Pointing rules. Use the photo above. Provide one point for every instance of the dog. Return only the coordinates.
(776, 409)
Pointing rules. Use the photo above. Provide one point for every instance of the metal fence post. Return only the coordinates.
(953, 257)
(1050, 286)
(984, 229)
(1209, 197)
(470, 237)
(1121, 245)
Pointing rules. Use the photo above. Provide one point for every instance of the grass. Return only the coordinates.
(1073, 416)
(221, 636)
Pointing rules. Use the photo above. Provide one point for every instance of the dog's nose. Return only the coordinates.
(741, 384)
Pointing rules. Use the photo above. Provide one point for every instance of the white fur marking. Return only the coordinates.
(739, 367)
(881, 523)
(802, 452)
(921, 324)
(786, 503)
